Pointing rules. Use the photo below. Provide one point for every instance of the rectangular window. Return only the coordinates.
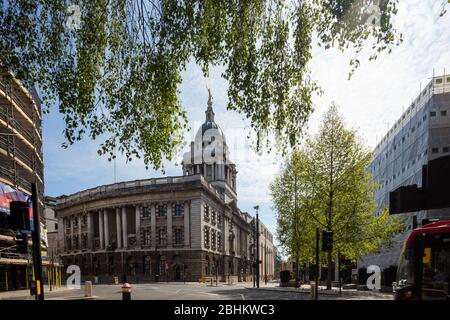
(162, 211)
(219, 241)
(443, 113)
(147, 237)
(145, 212)
(162, 237)
(446, 149)
(434, 150)
(448, 79)
(206, 213)
(439, 81)
(213, 216)
(178, 210)
(432, 114)
(213, 239)
(206, 236)
(178, 234)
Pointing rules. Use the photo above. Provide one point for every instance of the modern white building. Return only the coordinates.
(421, 134)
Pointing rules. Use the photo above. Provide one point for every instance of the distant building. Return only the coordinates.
(51, 223)
(421, 134)
(168, 229)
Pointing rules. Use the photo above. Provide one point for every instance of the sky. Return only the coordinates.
(371, 101)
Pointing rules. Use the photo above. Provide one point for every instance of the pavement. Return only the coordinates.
(197, 291)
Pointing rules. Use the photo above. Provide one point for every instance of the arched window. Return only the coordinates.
(147, 266)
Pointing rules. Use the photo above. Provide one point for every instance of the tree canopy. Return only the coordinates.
(113, 67)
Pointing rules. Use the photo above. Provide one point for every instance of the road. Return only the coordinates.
(192, 291)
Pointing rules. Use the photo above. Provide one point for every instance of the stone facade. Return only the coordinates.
(167, 229)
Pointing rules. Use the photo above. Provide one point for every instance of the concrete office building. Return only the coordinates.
(421, 134)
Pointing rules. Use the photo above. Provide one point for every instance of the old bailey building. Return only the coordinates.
(183, 228)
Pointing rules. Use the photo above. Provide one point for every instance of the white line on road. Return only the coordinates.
(178, 291)
(243, 297)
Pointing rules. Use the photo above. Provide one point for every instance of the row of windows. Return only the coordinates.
(72, 243)
(73, 221)
(177, 236)
(403, 140)
(408, 165)
(212, 238)
(441, 80)
(161, 211)
(443, 113)
(210, 215)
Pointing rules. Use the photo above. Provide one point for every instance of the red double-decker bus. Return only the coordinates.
(424, 266)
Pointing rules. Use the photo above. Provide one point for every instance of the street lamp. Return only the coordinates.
(257, 246)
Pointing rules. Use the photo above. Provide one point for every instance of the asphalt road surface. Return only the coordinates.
(190, 291)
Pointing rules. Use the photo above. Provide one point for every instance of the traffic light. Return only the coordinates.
(19, 216)
(406, 199)
(327, 240)
(22, 243)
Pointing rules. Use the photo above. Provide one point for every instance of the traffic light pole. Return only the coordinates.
(316, 289)
(37, 255)
(257, 250)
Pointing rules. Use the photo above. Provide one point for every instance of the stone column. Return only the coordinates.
(79, 231)
(153, 224)
(169, 224)
(213, 171)
(137, 210)
(71, 232)
(100, 228)
(187, 227)
(90, 229)
(118, 228)
(106, 226)
(226, 235)
(124, 227)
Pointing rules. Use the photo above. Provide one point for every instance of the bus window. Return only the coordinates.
(436, 272)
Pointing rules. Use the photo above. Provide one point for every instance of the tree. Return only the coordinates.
(113, 67)
(290, 198)
(338, 193)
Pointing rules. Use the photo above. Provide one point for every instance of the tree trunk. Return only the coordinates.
(296, 273)
(329, 271)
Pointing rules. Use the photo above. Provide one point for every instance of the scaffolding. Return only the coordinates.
(20, 135)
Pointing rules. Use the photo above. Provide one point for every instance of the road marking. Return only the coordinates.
(155, 287)
(243, 297)
(178, 291)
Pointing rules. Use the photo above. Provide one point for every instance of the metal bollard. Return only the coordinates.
(126, 291)
(313, 290)
(88, 288)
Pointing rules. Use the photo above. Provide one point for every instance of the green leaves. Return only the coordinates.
(116, 77)
(325, 184)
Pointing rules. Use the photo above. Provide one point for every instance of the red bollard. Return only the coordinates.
(126, 291)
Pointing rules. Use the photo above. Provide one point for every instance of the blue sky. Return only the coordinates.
(371, 101)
